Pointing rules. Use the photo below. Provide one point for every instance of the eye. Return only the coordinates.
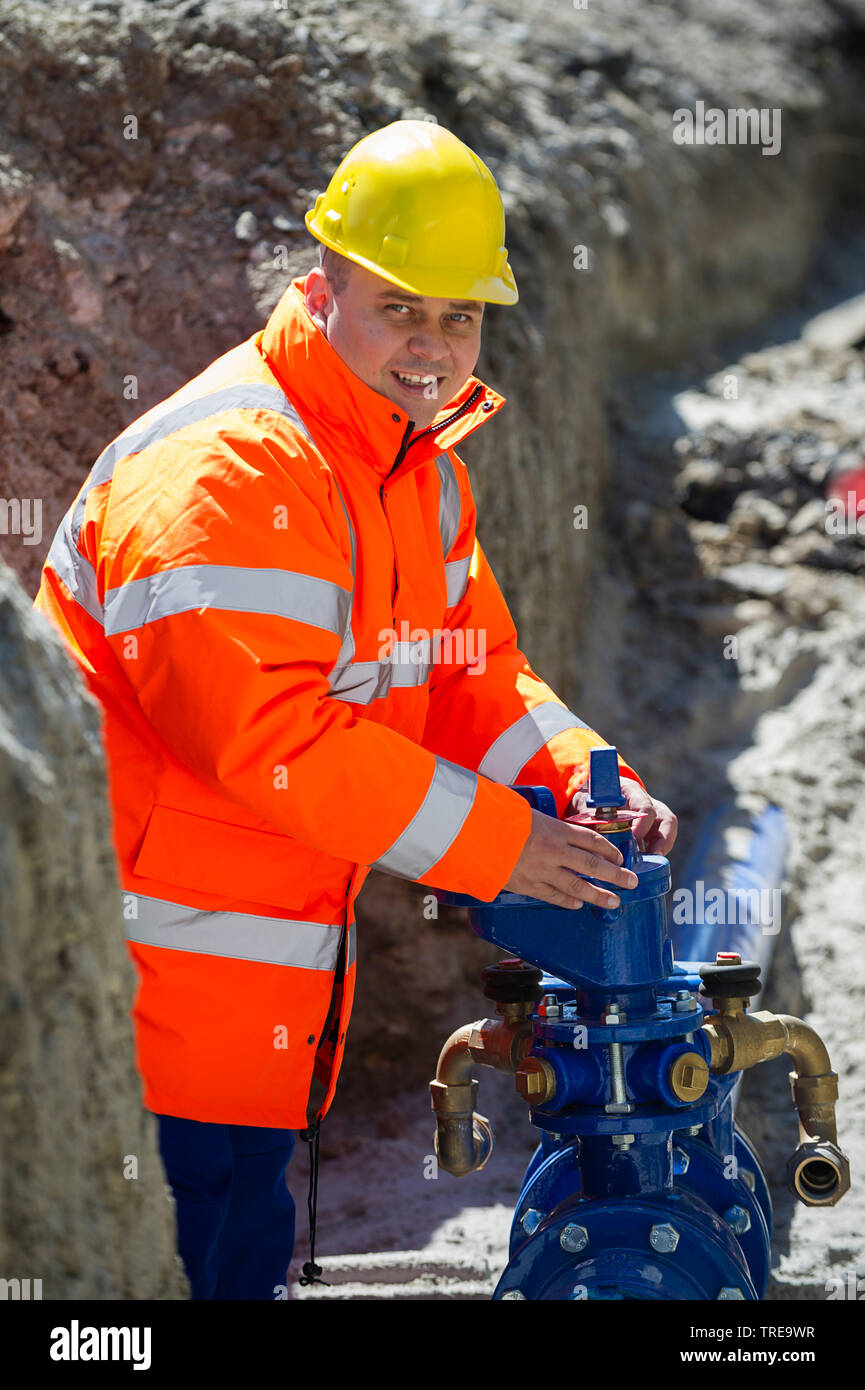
(398, 306)
(460, 315)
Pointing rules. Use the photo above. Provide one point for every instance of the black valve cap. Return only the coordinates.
(735, 981)
(512, 981)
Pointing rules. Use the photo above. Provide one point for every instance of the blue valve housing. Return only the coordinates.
(642, 1185)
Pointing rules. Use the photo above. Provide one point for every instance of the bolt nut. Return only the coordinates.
(731, 1293)
(549, 1007)
(513, 1293)
(738, 1219)
(622, 1141)
(531, 1220)
(535, 1080)
(613, 1014)
(664, 1238)
(574, 1238)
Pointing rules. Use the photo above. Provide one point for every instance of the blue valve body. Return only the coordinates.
(681, 1164)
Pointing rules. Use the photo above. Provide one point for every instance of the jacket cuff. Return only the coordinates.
(483, 856)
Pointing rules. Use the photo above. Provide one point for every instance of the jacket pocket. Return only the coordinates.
(232, 861)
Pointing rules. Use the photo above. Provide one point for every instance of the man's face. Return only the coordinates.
(380, 330)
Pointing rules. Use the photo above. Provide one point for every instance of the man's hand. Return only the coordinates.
(656, 825)
(553, 856)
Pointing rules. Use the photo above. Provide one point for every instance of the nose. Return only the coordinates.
(428, 343)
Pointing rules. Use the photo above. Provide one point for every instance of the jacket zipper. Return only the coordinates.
(405, 446)
(403, 450)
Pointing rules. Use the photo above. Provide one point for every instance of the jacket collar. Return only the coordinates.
(327, 392)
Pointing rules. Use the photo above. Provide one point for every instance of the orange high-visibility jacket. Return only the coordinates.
(257, 578)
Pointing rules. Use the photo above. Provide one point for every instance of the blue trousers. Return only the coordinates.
(235, 1214)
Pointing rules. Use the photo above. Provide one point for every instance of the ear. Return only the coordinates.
(319, 297)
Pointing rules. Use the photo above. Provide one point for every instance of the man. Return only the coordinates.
(273, 586)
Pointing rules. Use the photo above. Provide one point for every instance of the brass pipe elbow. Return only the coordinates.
(455, 1061)
(464, 1139)
(818, 1172)
(815, 1084)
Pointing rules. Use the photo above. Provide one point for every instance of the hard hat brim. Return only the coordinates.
(491, 289)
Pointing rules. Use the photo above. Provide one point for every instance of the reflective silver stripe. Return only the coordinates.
(74, 569)
(351, 952)
(240, 935)
(435, 825)
(246, 396)
(347, 650)
(450, 509)
(279, 593)
(361, 682)
(456, 578)
(512, 749)
(449, 502)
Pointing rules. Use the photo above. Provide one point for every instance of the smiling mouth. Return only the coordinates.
(418, 383)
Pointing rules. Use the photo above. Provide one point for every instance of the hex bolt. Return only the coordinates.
(619, 1103)
(664, 1238)
(730, 1293)
(531, 1220)
(513, 1293)
(613, 1014)
(622, 1141)
(694, 1130)
(738, 1219)
(549, 1007)
(573, 1238)
(685, 1002)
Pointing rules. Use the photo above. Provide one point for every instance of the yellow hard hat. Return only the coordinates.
(415, 205)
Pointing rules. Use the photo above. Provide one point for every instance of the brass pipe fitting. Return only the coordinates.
(688, 1077)
(738, 1040)
(455, 1061)
(536, 1081)
(818, 1172)
(814, 1083)
(464, 1139)
(500, 1043)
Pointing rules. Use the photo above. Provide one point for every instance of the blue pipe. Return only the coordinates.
(730, 896)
